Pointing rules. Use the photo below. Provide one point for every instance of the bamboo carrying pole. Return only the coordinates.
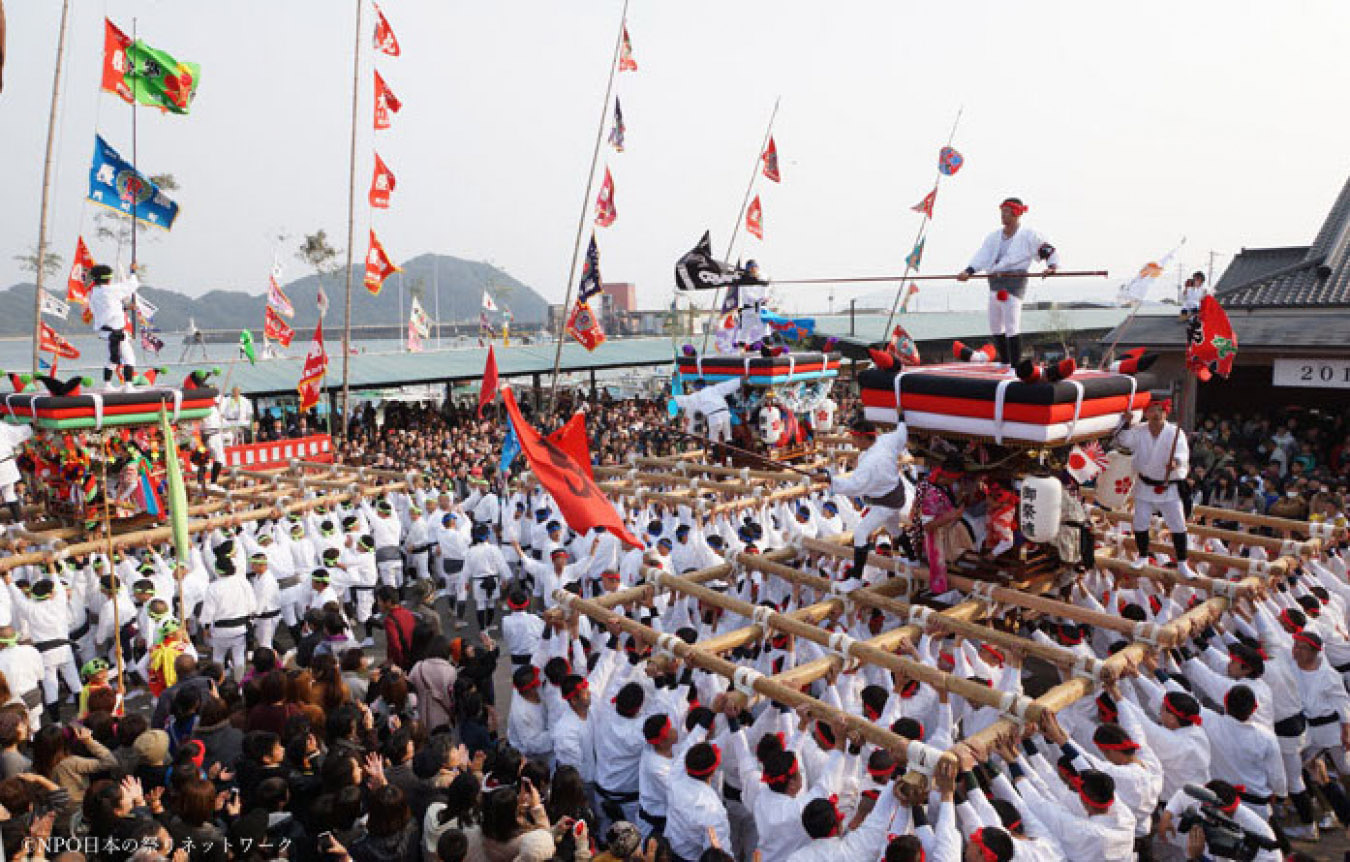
(164, 534)
(748, 681)
(1284, 547)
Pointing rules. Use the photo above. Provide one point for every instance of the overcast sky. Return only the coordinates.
(1125, 127)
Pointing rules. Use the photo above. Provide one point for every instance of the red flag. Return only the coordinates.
(381, 184)
(488, 390)
(626, 61)
(1212, 343)
(115, 44)
(384, 34)
(754, 218)
(571, 438)
(925, 206)
(50, 341)
(605, 213)
(378, 265)
(277, 329)
(770, 158)
(79, 284)
(582, 504)
(386, 102)
(583, 326)
(316, 366)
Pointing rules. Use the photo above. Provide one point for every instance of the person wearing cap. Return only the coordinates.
(1007, 255)
(552, 575)
(452, 545)
(485, 505)
(291, 586)
(22, 667)
(417, 543)
(878, 481)
(486, 570)
(709, 403)
(230, 604)
(266, 599)
(45, 613)
(120, 623)
(386, 531)
(360, 576)
(1161, 457)
(527, 729)
(107, 304)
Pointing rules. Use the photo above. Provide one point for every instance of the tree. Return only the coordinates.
(51, 263)
(316, 251)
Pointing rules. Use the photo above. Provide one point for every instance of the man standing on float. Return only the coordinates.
(1162, 460)
(1006, 255)
(880, 484)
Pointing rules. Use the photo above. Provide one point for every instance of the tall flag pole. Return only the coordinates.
(620, 39)
(351, 219)
(949, 162)
(44, 209)
(762, 162)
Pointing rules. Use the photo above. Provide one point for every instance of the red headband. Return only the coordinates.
(704, 773)
(783, 778)
(977, 840)
(1304, 639)
(993, 651)
(1123, 745)
(1089, 802)
(662, 733)
(881, 774)
(517, 606)
(533, 681)
(582, 686)
(1232, 806)
(1193, 720)
(1289, 621)
(862, 433)
(838, 815)
(1018, 209)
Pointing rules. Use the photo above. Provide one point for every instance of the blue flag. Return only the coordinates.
(791, 328)
(115, 184)
(590, 273)
(510, 448)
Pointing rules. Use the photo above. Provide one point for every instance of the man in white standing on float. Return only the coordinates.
(879, 482)
(1162, 460)
(1007, 255)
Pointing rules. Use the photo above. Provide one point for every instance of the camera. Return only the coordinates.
(1225, 838)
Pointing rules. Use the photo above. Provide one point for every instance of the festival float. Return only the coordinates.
(88, 454)
(780, 398)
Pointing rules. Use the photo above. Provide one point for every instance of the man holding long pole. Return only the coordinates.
(1006, 255)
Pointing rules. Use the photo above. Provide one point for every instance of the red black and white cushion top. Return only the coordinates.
(989, 401)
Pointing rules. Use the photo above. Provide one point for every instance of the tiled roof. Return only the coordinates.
(1271, 331)
(1295, 277)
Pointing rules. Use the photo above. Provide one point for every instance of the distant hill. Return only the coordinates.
(461, 290)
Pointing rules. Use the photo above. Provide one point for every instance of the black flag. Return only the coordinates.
(698, 271)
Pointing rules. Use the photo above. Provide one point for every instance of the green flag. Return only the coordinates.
(178, 505)
(156, 78)
(246, 346)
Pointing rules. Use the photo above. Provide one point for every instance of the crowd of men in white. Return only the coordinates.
(1254, 709)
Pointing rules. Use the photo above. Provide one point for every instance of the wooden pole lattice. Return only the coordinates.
(987, 613)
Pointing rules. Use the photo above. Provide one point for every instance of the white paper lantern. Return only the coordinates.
(822, 415)
(1115, 484)
(1038, 512)
(770, 425)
